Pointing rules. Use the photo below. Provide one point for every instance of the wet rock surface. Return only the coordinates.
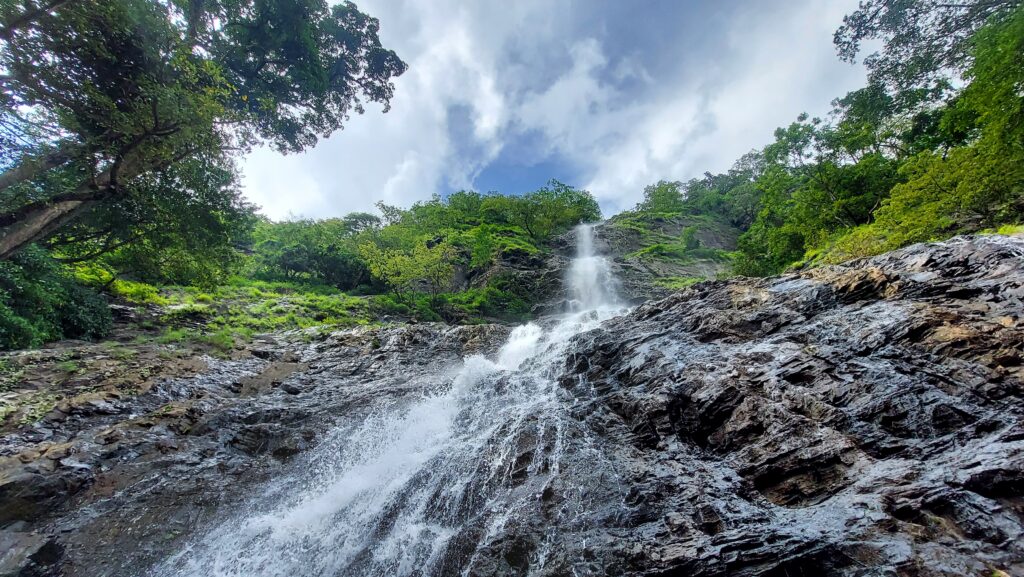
(864, 419)
(108, 486)
(858, 420)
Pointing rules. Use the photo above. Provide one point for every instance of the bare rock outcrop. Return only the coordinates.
(864, 419)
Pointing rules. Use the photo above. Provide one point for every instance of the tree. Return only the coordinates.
(922, 40)
(664, 196)
(433, 265)
(100, 95)
(427, 265)
(358, 222)
(180, 225)
(314, 251)
(977, 185)
(549, 210)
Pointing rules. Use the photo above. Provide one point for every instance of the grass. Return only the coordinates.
(10, 374)
(243, 308)
(137, 292)
(119, 351)
(36, 407)
(226, 316)
(69, 367)
(678, 282)
(679, 253)
(1011, 229)
(7, 409)
(658, 245)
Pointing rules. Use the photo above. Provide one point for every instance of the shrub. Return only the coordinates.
(679, 282)
(41, 302)
(137, 292)
(85, 314)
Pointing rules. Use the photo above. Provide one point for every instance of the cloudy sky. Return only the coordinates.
(601, 94)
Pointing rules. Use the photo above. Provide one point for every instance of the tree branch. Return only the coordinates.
(36, 165)
(27, 17)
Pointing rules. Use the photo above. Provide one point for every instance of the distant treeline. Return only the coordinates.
(408, 256)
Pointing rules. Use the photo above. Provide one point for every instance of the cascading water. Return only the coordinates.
(590, 279)
(493, 459)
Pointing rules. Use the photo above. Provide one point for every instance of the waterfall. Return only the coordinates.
(492, 455)
(590, 280)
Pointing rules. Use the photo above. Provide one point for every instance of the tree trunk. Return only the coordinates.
(34, 222)
(39, 224)
(34, 166)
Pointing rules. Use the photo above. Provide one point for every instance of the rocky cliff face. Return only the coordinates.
(857, 420)
(648, 258)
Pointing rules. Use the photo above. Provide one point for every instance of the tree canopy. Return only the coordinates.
(931, 147)
(111, 104)
(922, 40)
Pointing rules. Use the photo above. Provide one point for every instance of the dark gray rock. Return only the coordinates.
(109, 492)
(863, 419)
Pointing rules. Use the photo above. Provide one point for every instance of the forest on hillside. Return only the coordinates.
(123, 121)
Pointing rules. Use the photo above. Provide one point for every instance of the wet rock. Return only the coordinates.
(121, 479)
(870, 413)
(849, 421)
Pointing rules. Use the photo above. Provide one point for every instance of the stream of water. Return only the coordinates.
(428, 488)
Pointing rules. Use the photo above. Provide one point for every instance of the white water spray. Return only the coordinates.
(419, 489)
(590, 280)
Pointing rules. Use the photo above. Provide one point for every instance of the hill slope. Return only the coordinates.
(655, 254)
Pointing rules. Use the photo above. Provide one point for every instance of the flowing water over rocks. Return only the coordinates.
(856, 420)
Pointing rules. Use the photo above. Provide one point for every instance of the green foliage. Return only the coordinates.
(37, 406)
(417, 249)
(222, 340)
(322, 252)
(923, 40)
(679, 252)
(428, 264)
(127, 113)
(492, 302)
(186, 312)
(497, 301)
(68, 367)
(662, 197)
(971, 187)
(688, 239)
(40, 302)
(137, 292)
(248, 307)
(10, 375)
(120, 124)
(903, 161)
(548, 211)
(679, 282)
(172, 335)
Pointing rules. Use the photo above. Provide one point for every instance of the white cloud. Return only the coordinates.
(521, 68)
(406, 154)
(774, 65)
